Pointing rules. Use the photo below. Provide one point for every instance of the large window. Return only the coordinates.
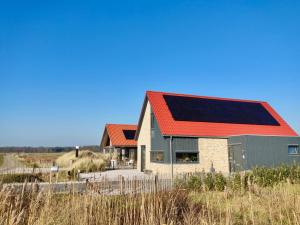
(187, 157)
(157, 156)
(293, 150)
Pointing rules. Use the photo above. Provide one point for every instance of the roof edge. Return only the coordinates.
(204, 96)
(137, 133)
(226, 137)
(102, 138)
(119, 124)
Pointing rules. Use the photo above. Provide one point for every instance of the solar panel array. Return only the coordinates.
(129, 134)
(195, 109)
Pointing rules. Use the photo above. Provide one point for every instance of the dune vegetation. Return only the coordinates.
(263, 196)
(87, 161)
(35, 160)
(262, 205)
(1, 159)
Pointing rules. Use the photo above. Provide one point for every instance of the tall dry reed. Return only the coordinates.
(273, 205)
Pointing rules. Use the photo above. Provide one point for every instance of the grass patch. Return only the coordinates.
(36, 160)
(61, 176)
(1, 159)
(20, 178)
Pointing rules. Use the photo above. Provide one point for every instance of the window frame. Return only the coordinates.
(188, 152)
(156, 161)
(297, 147)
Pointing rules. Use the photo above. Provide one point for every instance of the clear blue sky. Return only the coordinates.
(69, 67)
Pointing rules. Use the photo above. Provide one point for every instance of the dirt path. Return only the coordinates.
(9, 161)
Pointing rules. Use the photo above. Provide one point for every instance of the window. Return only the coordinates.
(187, 157)
(152, 120)
(293, 150)
(157, 156)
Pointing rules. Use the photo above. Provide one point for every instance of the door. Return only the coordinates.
(143, 153)
(236, 158)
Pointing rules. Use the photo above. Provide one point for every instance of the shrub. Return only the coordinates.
(220, 182)
(209, 182)
(264, 176)
(261, 176)
(194, 182)
(236, 182)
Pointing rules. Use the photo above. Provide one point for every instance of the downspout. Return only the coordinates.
(171, 158)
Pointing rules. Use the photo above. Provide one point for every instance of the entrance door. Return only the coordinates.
(236, 160)
(143, 153)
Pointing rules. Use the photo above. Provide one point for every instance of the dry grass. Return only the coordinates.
(1, 159)
(38, 159)
(277, 205)
(87, 161)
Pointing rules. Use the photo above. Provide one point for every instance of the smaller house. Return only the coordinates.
(118, 139)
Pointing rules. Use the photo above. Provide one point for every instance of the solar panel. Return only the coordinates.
(194, 109)
(129, 134)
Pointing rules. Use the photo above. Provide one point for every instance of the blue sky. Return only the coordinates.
(69, 67)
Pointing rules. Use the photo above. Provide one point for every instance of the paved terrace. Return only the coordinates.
(114, 175)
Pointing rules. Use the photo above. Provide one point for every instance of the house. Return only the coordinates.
(118, 139)
(180, 133)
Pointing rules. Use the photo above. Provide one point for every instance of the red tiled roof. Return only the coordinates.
(117, 137)
(168, 126)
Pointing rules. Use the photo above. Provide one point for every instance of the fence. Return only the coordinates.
(27, 170)
(105, 186)
(150, 184)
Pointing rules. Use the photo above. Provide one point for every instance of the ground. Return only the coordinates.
(10, 161)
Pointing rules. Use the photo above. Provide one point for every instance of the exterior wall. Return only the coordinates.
(185, 144)
(145, 137)
(214, 151)
(210, 150)
(103, 142)
(265, 150)
(158, 141)
(179, 144)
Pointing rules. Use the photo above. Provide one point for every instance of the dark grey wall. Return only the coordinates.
(185, 144)
(161, 143)
(264, 150)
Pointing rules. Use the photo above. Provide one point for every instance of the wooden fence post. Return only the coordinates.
(121, 180)
(155, 183)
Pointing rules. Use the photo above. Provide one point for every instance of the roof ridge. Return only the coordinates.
(120, 124)
(205, 96)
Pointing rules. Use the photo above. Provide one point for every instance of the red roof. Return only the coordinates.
(169, 127)
(117, 137)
